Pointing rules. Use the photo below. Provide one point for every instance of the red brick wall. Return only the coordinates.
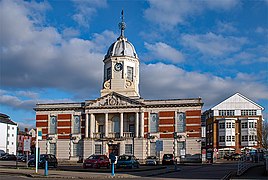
(64, 116)
(41, 117)
(63, 137)
(193, 124)
(166, 129)
(64, 123)
(193, 113)
(166, 114)
(166, 123)
(64, 130)
(166, 135)
(41, 124)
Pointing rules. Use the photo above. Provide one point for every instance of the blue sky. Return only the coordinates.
(52, 51)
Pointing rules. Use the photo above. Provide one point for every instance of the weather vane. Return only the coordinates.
(122, 24)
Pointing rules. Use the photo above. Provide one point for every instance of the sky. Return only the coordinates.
(53, 51)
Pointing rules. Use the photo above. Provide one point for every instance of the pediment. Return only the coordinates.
(114, 99)
(237, 101)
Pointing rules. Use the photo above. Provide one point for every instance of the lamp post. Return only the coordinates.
(133, 138)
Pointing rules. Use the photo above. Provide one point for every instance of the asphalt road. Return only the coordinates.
(194, 171)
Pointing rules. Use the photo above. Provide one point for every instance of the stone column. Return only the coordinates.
(92, 119)
(175, 121)
(142, 125)
(121, 124)
(137, 125)
(86, 129)
(106, 125)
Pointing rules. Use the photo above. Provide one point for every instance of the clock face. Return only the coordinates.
(118, 66)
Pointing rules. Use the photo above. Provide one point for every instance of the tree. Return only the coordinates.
(263, 135)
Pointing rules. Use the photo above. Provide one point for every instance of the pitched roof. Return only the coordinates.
(237, 101)
(6, 119)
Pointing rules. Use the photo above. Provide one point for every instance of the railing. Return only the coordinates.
(242, 165)
(128, 134)
(114, 135)
(245, 162)
(99, 135)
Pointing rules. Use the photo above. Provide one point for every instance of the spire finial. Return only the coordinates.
(122, 24)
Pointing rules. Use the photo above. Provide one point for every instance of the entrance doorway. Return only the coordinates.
(114, 148)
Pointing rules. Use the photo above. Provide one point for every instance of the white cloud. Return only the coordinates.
(40, 57)
(174, 82)
(87, 9)
(262, 30)
(162, 51)
(221, 4)
(173, 12)
(225, 27)
(17, 100)
(248, 56)
(28, 94)
(213, 44)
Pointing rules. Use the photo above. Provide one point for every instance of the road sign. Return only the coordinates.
(26, 145)
(159, 145)
(39, 133)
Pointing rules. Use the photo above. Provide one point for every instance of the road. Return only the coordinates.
(194, 171)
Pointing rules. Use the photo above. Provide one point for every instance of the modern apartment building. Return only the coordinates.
(120, 119)
(234, 125)
(8, 138)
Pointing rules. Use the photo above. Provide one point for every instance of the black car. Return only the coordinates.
(21, 158)
(50, 158)
(8, 157)
(227, 156)
(168, 159)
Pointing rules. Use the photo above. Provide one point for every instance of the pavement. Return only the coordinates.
(256, 172)
(68, 174)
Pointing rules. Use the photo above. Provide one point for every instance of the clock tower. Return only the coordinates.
(121, 67)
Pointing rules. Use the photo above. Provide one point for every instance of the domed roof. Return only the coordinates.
(122, 47)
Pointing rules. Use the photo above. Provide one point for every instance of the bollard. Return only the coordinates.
(175, 166)
(46, 168)
(112, 169)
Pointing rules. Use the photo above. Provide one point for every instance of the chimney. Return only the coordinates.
(26, 130)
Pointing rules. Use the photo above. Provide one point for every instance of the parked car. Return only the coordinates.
(96, 161)
(127, 161)
(168, 159)
(2, 152)
(152, 160)
(50, 158)
(8, 157)
(236, 156)
(227, 156)
(22, 158)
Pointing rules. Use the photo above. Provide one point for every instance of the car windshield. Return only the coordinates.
(151, 157)
(168, 156)
(93, 157)
(124, 158)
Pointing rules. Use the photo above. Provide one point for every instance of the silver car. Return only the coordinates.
(152, 160)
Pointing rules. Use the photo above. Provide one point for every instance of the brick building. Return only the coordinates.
(234, 125)
(120, 119)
